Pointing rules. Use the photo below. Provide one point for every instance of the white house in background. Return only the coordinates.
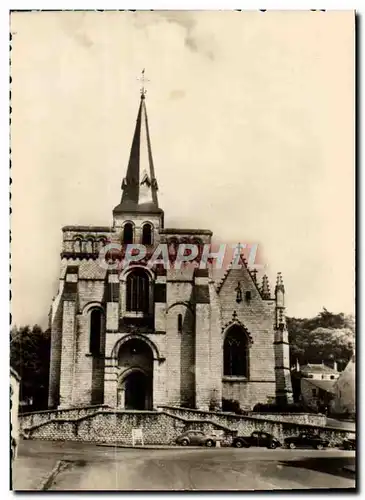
(317, 383)
(319, 372)
(344, 401)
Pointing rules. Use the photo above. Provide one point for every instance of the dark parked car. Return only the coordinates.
(196, 438)
(306, 441)
(256, 439)
(349, 444)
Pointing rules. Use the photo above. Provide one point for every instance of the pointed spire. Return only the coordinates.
(279, 284)
(265, 288)
(140, 185)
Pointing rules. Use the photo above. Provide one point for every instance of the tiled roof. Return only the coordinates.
(317, 368)
(325, 385)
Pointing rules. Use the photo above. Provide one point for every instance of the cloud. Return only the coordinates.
(74, 27)
(177, 94)
(194, 40)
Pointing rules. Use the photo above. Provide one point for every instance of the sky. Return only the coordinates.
(251, 119)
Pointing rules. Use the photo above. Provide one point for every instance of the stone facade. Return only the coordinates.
(163, 427)
(142, 336)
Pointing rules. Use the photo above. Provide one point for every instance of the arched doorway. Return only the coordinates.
(135, 361)
(137, 391)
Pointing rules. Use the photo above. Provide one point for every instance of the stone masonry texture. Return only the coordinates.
(103, 425)
(188, 363)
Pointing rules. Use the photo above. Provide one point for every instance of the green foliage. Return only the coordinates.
(30, 356)
(277, 408)
(327, 337)
(232, 406)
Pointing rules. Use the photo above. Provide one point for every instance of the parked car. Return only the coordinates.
(349, 444)
(196, 438)
(306, 440)
(256, 439)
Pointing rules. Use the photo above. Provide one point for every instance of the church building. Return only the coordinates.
(143, 337)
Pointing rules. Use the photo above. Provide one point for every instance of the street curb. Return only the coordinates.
(146, 447)
(46, 483)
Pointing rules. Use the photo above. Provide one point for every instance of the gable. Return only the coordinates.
(241, 278)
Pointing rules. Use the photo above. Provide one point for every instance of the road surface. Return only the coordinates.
(80, 466)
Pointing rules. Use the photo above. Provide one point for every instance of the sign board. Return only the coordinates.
(218, 436)
(137, 436)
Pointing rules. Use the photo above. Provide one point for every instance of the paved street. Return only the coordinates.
(79, 466)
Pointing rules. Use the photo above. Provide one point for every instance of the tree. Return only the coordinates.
(326, 337)
(30, 356)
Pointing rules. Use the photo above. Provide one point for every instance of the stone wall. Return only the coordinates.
(116, 427)
(295, 418)
(248, 393)
(160, 427)
(266, 422)
(27, 420)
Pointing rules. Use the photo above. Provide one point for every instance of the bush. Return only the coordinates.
(231, 405)
(280, 408)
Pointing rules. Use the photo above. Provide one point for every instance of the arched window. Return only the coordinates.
(235, 353)
(138, 291)
(147, 234)
(128, 233)
(77, 245)
(96, 318)
(101, 244)
(179, 323)
(89, 245)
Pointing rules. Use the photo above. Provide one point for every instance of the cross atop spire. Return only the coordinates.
(143, 80)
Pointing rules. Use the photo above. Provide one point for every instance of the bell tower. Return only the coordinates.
(139, 200)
